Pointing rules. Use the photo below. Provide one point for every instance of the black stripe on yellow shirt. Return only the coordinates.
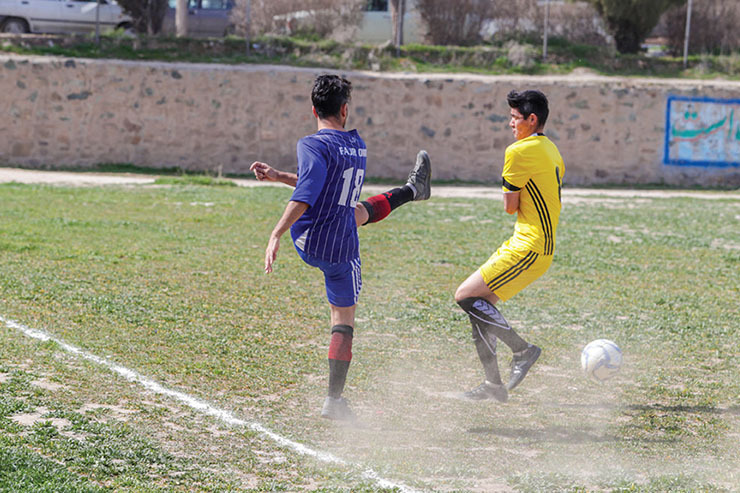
(509, 186)
(544, 213)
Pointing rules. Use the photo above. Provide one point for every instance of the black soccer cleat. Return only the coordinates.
(337, 409)
(487, 390)
(520, 365)
(420, 177)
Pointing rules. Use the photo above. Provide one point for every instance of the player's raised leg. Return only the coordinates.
(417, 187)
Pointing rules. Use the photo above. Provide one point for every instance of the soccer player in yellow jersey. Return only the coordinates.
(532, 177)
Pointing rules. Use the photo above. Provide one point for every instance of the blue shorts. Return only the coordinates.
(343, 280)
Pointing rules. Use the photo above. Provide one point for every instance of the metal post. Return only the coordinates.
(247, 36)
(687, 35)
(547, 29)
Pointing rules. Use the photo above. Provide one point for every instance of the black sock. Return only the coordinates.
(485, 344)
(379, 206)
(337, 377)
(399, 196)
(483, 312)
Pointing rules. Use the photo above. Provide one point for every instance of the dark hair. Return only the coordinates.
(329, 93)
(528, 102)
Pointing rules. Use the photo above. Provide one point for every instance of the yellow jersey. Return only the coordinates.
(534, 167)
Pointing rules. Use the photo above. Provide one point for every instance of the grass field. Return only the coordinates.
(167, 280)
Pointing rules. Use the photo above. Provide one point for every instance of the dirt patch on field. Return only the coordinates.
(30, 419)
(117, 412)
(47, 385)
(15, 175)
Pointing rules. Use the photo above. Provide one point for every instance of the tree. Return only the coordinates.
(181, 18)
(454, 23)
(630, 21)
(713, 27)
(147, 14)
(398, 10)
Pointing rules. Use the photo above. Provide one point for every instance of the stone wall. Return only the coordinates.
(77, 113)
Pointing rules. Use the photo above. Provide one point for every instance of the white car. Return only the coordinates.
(61, 16)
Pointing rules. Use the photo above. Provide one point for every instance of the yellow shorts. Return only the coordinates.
(509, 270)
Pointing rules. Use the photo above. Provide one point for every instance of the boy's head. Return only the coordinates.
(329, 94)
(529, 112)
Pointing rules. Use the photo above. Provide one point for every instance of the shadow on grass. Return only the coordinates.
(733, 410)
(677, 409)
(560, 434)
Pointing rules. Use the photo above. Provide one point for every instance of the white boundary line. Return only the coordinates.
(200, 405)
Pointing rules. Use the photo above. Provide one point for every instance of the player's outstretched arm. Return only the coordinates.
(293, 211)
(265, 172)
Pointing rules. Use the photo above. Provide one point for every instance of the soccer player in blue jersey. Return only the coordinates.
(323, 215)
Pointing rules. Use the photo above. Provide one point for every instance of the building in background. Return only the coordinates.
(377, 26)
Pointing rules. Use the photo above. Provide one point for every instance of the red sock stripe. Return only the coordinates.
(381, 207)
(340, 347)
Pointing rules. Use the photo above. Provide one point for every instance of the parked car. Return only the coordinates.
(61, 16)
(206, 18)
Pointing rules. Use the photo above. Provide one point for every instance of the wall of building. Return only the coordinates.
(377, 25)
(62, 112)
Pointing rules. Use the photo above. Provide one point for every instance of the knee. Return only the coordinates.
(458, 294)
(466, 303)
(461, 294)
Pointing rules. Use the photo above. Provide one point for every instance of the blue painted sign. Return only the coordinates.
(702, 132)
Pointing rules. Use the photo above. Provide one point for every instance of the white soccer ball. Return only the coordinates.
(601, 359)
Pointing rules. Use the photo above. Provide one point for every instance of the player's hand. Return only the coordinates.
(263, 171)
(271, 252)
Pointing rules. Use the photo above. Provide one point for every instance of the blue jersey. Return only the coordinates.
(331, 171)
